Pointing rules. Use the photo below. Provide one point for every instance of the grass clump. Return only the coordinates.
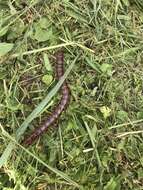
(98, 144)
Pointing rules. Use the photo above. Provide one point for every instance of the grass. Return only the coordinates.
(98, 144)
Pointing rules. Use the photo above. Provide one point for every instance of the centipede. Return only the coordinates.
(59, 108)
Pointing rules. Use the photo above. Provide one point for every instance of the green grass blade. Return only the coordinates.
(92, 139)
(6, 154)
(43, 49)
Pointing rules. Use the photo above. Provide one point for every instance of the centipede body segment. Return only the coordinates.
(65, 97)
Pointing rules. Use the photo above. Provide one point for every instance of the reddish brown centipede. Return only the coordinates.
(59, 108)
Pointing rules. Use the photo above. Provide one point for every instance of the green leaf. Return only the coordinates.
(140, 115)
(106, 111)
(44, 23)
(47, 79)
(92, 64)
(111, 185)
(15, 30)
(47, 63)
(5, 48)
(13, 105)
(71, 125)
(43, 30)
(122, 115)
(106, 69)
(43, 35)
